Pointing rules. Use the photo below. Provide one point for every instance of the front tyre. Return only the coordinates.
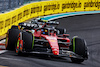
(12, 37)
(79, 47)
(24, 43)
(28, 41)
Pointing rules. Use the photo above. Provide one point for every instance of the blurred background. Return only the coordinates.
(7, 5)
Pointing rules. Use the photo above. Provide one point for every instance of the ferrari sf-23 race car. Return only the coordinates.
(44, 37)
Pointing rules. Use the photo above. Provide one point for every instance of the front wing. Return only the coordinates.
(69, 54)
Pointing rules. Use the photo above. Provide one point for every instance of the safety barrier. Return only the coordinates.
(44, 8)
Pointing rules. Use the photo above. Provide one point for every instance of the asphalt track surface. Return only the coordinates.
(84, 26)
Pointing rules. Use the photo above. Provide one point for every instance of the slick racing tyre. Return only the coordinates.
(24, 43)
(28, 41)
(14, 27)
(12, 39)
(79, 47)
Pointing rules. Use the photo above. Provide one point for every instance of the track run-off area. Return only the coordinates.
(84, 26)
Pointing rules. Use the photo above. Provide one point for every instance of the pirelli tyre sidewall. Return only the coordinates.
(26, 42)
(12, 37)
(79, 47)
(28, 39)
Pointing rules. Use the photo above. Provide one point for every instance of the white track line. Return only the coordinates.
(5, 58)
(3, 51)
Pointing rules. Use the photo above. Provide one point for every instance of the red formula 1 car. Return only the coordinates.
(43, 37)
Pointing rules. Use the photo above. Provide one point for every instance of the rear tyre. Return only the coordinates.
(79, 47)
(12, 39)
(14, 27)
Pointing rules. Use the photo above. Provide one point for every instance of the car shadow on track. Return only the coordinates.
(48, 57)
(12, 54)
